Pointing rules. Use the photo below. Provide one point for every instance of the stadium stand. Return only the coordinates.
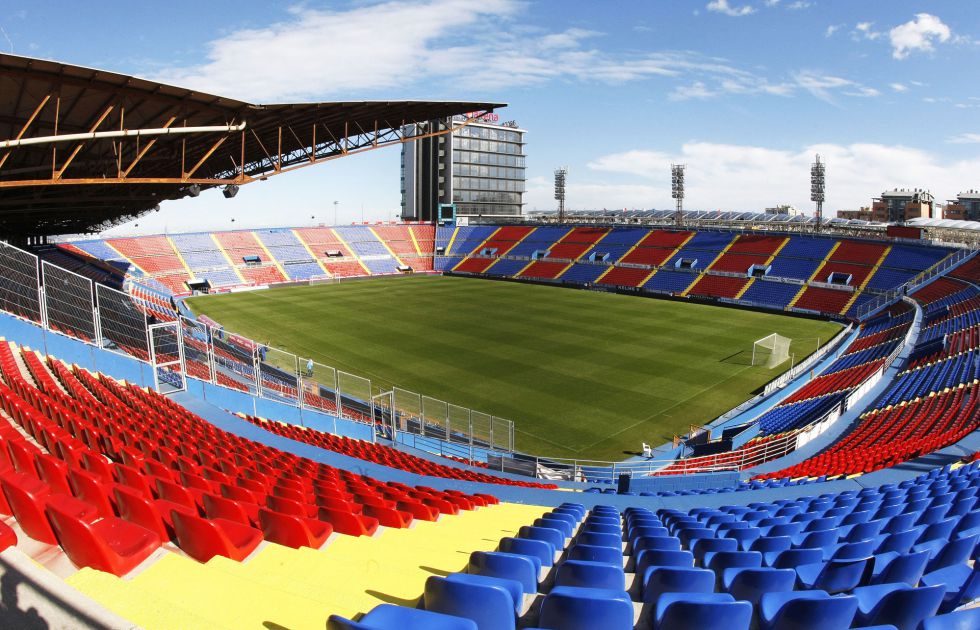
(838, 560)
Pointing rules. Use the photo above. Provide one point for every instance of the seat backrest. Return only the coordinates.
(136, 508)
(77, 538)
(523, 569)
(591, 553)
(529, 547)
(570, 608)
(490, 605)
(906, 568)
(199, 537)
(833, 612)
(658, 580)
(26, 497)
(707, 615)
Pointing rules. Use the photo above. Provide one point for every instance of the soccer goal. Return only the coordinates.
(771, 350)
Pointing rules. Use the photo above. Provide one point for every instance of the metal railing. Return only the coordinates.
(888, 298)
(66, 303)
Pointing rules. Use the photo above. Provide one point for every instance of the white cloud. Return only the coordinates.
(449, 46)
(744, 177)
(965, 138)
(899, 87)
(798, 5)
(697, 90)
(918, 34)
(865, 30)
(770, 3)
(438, 44)
(824, 86)
(722, 6)
(833, 28)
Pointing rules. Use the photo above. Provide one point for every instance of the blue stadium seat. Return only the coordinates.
(745, 537)
(487, 602)
(590, 574)
(539, 549)
(792, 558)
(704, 545)
(511, 566)
(601, 540)
(771, 545)
(391, 617)
(799, 610)
(555, 523)
(897, 604)
(968, 619)
(571, 608)
(899, 542)
(946, 554)
(513, 587)
(749, 584)
(664, 543)
(547, 534)
(892, 568)
(658, 580)
(835, 576)
(662, 558)
(705, 611)
(962, 584)
(593, 553)
(718, 561)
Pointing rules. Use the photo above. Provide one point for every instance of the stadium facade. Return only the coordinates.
(479, 168)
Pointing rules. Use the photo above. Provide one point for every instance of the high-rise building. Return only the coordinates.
(479, 168)
(896, 206)
(966, 207)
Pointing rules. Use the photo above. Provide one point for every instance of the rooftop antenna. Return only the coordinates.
(677, 191)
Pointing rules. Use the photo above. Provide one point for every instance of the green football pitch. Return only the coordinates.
(582, 374)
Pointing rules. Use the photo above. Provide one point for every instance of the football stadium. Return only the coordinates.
(580, 420)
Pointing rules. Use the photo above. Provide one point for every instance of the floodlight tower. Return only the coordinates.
(560, 175)
(818, 187)
(677, 191)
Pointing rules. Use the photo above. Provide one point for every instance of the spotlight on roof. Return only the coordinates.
(194, 190)
(229, 191)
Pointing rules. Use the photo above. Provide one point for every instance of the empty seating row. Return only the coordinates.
(893, 556)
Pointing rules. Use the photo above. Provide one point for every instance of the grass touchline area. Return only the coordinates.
(581, 373)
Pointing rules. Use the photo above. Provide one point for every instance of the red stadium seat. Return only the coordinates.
(202, 538)
(293, 531)
(111, 544)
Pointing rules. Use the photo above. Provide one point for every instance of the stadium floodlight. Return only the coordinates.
(772, 350)
(818, 187)
(229, 191)
(677, 191)
(194, 190)
(560, 176)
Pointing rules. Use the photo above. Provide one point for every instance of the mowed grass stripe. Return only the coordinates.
(582, 374)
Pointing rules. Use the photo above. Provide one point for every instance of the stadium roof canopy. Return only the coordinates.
(84, 149)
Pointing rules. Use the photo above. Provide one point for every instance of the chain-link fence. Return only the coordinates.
(123, 326)
(69, 302)
(19, 283)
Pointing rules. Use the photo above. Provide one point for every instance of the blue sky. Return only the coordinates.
(742, 91)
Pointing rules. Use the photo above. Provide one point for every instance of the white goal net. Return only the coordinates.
(770, 351)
